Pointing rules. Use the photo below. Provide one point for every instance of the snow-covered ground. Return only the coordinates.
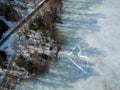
(93, 30)
(106, 40)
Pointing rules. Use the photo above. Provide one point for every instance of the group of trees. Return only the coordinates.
(35, 65)
(56, 7)
(48, 22)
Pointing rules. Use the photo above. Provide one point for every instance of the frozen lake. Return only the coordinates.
(90, 59)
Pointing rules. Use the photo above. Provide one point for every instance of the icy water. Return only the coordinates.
(90, 58)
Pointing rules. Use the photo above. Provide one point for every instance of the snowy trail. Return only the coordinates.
(92, 27)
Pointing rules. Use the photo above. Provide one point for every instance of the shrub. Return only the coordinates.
(13, 16)
(1, 9)
(36, 68)
(44, 56)
(21, 62)
(32, 26)
(3, 55)
(3, 59)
